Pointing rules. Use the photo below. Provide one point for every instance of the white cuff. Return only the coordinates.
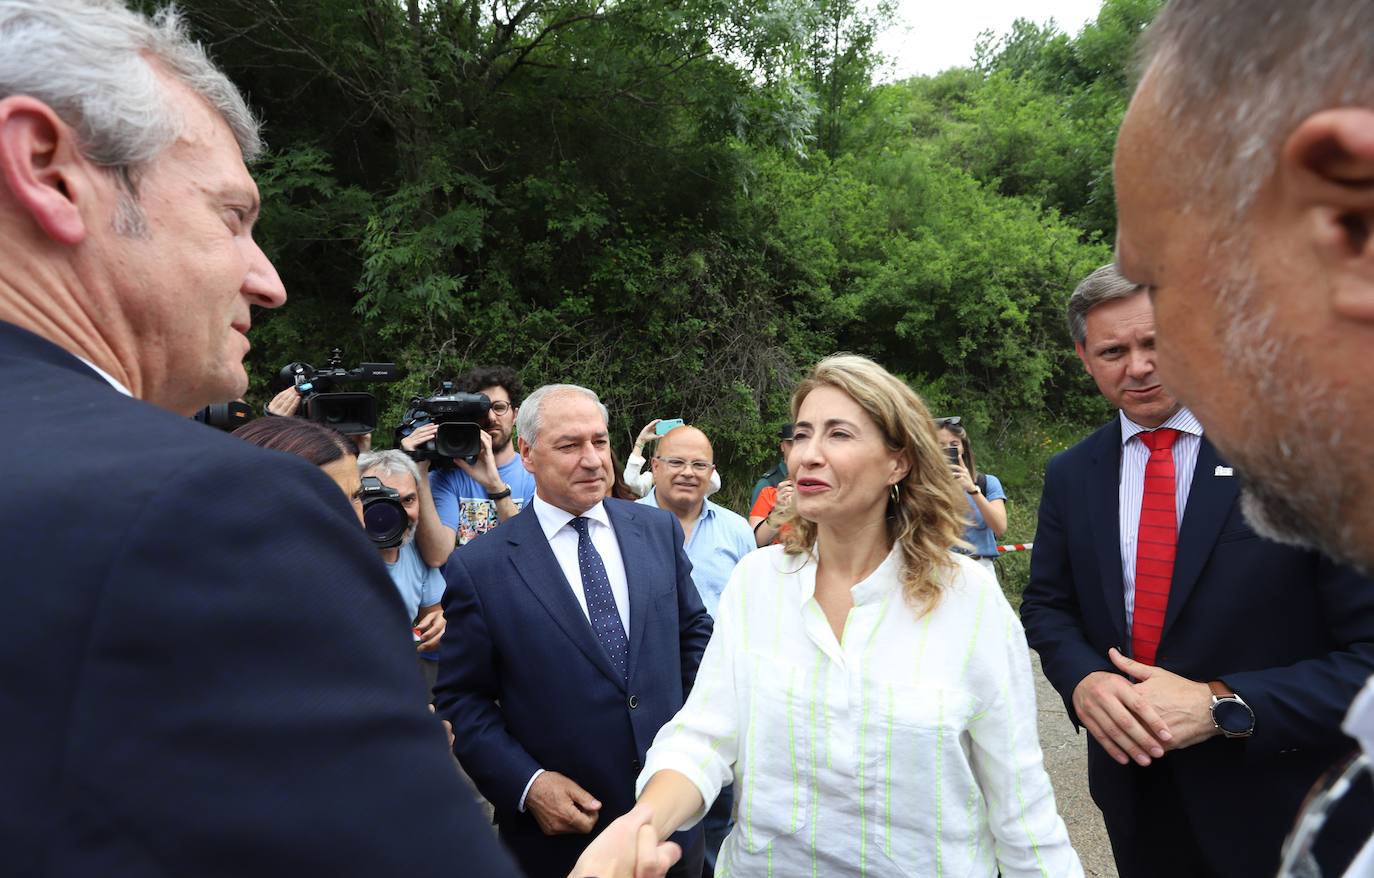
(527, 789)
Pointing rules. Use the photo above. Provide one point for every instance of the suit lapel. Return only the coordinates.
(1104, 488)
(534, 560)
(1209, 501)
(629, 534)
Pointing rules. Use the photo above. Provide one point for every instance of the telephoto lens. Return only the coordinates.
(384, 518)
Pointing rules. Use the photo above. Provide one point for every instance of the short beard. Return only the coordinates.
(1298, 493)
(501, 449)
(409, 535)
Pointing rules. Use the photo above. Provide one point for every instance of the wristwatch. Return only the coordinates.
(976, 490)
(500, 495)
(1230, 714)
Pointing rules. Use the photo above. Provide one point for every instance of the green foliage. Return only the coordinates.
(683, 203)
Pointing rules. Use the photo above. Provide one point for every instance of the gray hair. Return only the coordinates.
(390, 462)
(96, 64)
(1102, 286)
(1240, 75)
(529, 422)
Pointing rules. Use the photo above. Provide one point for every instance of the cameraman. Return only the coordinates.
(286, 403)
(420, 584)
(476, 497)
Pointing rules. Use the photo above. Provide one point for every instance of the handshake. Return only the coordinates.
(628, 848)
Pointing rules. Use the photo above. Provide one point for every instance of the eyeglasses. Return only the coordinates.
(676, 464)
(500, 407)
(947, 422)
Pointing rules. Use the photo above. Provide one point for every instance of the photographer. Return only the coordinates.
(475, 497)
(421, 586)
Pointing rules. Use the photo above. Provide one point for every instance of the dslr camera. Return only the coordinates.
(384, 518)
(350, 413)
(461, 418)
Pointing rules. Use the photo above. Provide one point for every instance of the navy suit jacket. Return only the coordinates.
(527, 685)
(204, 667)
(1290, 632)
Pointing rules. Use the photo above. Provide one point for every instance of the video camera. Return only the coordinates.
(350, 413)
(461, 418)
(384, 518)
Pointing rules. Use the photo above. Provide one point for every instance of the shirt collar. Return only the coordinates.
(113, 381)
(553, 519)
(1183, 421)
(708, 509)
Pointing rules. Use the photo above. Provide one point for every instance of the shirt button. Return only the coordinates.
(634, 702)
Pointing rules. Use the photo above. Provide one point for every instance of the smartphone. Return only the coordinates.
(667, 424)
(952, 452)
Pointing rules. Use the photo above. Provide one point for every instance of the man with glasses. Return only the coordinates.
(475, 497)
(715, 540)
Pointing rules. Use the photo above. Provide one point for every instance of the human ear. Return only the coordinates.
(42, 168)
(1327, 168)
(1082, 356)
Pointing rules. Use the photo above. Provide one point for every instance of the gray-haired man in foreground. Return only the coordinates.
(1245, 187)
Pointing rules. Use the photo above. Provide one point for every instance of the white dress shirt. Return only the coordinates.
(563, 538)
(909, 747)
(110, 379)
(1359, 724)
(1131, 490)
(558, 530)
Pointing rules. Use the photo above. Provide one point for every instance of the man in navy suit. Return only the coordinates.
(205, 669)
(575, 632)
(1244, 653)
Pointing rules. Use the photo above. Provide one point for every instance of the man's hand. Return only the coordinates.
(1120, 718)
(448, 727)
(419, 437)
(484, 471)
(286, 403)
(628, 848)
(560, 806)
(1183, 704)
(430, 627)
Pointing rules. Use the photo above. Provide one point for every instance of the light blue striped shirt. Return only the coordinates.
(1131, 489)
(719, 539)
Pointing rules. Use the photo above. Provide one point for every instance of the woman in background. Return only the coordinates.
(867, 691)
(987, 501)
(328, 449)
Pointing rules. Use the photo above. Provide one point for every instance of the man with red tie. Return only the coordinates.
(1211, 667)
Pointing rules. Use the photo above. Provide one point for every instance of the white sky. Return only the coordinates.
(927, 36)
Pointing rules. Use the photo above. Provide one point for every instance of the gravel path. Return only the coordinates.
(1066, 759)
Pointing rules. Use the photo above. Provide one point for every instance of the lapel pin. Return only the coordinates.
(1224, 471)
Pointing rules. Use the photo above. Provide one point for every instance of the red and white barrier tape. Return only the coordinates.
(1014, 547)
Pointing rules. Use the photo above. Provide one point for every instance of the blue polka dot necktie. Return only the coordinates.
(601, 607)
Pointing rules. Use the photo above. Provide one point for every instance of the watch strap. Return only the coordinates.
(500, 495)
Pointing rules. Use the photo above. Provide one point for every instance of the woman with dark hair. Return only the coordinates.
(986, 500)
(615, 482)
(866, 690)
(328, 449)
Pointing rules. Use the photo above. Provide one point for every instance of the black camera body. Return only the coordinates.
(384, 518)
(351, 413)
(226, 416)
(461, 418)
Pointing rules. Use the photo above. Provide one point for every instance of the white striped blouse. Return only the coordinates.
(907, 748)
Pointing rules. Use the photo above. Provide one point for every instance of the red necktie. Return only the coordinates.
(1154, 546)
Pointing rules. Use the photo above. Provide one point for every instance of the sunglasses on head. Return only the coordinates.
(947, 422)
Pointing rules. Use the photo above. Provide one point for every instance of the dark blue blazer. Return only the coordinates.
(527, 685)
(204, 668)
(1290, 632)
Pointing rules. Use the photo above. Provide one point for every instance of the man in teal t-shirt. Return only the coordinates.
(473, 498)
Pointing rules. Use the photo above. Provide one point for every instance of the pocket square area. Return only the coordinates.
(1223, 471)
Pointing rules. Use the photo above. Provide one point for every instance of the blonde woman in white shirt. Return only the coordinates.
(867, 691)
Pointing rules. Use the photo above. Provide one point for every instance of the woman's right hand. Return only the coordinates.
(647, 435)
(628, 848)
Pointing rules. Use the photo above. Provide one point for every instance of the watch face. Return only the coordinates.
(1233, 717)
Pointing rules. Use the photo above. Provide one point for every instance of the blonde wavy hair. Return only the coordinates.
(929, 517)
